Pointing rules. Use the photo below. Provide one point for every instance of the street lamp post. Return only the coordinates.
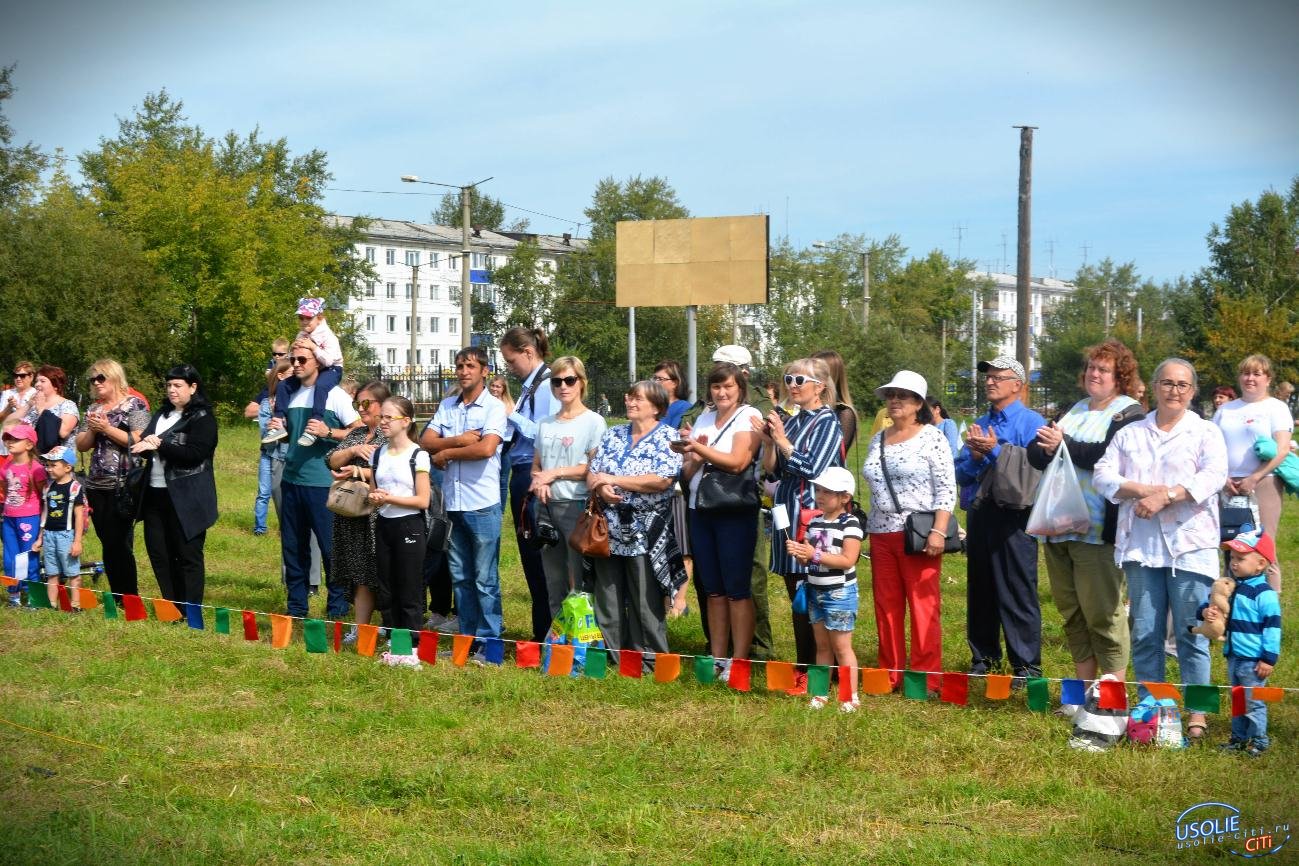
(466, 305)
(865, 279)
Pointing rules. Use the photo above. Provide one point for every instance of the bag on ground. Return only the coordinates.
(1094, 729)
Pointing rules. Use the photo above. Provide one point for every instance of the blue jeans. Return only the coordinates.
(1153, 592)
(19, 534)
(265, 476)
(303, 514)
(475, 551)
(56, 545)
(1252, 725)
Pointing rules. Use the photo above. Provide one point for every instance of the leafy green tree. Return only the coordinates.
(235, 228)
(20, 165)
(528, 293)
(484, 212)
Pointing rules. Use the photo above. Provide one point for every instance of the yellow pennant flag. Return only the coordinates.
(1159, 691)
(561, 660)
(1270, 694)
(366, 637)
(87, 598)
(780, 676)
(998, 687)
(460, 647)
(667, 667)
(281, 630)
(165, 610)
(875, 681)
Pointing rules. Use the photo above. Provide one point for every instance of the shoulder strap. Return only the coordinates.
(884, 467)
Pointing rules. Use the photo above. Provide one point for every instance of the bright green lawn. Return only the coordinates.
(204, 748)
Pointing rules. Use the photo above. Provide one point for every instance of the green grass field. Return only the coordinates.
(150, 743)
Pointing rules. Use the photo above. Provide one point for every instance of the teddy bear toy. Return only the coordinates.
(1219, 597)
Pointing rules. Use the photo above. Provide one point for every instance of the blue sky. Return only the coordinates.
(871, 118)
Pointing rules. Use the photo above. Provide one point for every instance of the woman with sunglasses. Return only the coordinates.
(354, 562)
(15, 401)
(180, 497)
(565, 443)
(795, 451)
(112, 424)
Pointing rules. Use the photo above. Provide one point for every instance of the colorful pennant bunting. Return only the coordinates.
(460, 647)
(1113, 695)
(250, 624)
(1203, 699)
(87, 599)
(527, 654)
(667, 667)
(597, 663)
(338, 636)
(133, 606)
(194, 616)
(1038, 696)
(1162, 691)
(955, 689)
(630, 664)
(998, 687)
(109, 603)
(847, 683)
(494, 651)
(780, 676)
(37, 595)
(428, 647)
(706, 669)
(65, 599)
(1237, 701)
(313, 635)
(165, 611)
(915, 685)
(399, 642)
(222, 617)
(875, 681)
(818, 681)
(561, 660)
(281, 630)
(1073, 692)
(740, 675)
(1267, 694)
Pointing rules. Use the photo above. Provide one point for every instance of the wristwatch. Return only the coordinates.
(1170, 494)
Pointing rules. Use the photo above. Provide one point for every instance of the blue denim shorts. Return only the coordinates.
(56, 545)
(835, 606)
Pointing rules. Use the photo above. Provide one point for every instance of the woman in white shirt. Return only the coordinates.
(923, 478)
(1242, 421)
(565, 443)
(15, 401)
(723, 439)
(400, 490)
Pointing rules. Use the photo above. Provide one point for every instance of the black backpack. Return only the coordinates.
(437, 526)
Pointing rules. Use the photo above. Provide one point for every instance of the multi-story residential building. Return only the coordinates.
(1000, 306)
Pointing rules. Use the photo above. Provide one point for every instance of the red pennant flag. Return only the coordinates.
(427, 651)
(338, 637)
(281, 630)
(741, 671)
(1113, 695)
(460, 647)
(166, 611)
(133, 606)
(1237, 701)
(527, 654)
(250, 625)
(630, 663)
(955, 689)
(65, 599)
(847, 684)
(780, 676)
(561, 660)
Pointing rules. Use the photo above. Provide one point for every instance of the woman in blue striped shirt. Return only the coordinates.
(795, 451)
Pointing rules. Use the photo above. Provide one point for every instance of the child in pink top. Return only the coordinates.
(329, 356)
(24, 480)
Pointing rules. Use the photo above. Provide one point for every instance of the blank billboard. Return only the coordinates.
(702, 261)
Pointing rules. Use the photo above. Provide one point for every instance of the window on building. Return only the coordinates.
(433, 324)
(418, 354)
(451, 325)
(390, 256)
(434, 356)
(433, 259)
(369, 288)
(454, 294)
(390, 290)
(392, 356)
(408, 291)
(453, 262)
(369, 254)
(412, 257)
(419, 324)
(369, 323)
(432, 292)
(392, 324)
(408, 324)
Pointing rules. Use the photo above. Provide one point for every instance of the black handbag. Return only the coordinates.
(130, 483)
(918, 524)
(721, 491)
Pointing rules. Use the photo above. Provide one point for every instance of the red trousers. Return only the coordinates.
(900, 580)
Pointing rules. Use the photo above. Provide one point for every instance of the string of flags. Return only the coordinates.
(558, 660)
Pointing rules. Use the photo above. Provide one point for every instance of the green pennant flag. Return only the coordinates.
(313, 634)
(1203, 699)
(223, 620)
(1038, 697)
(399, 643)
(818, 680)
(705, 669)
(915, 685)
(37, 594)
(109, 604)
(597, 662)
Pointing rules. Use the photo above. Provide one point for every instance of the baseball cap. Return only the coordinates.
(732, 354)
(1256, 542)
(61, 452)
(1004, 362)
(838, 479)
(310, 306)
(21, 431)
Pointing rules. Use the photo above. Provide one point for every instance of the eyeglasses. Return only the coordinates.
(570, 381)
(1005, 378)
(297, 360)
(23, 375)
(365, 404)
(278, 354)
(799, 380)
(664, 379)
(392, 417)
(98, 379)
(1170, 385)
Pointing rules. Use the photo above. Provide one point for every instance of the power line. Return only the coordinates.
(577, 223)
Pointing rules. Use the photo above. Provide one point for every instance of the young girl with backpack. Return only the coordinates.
(400, 492)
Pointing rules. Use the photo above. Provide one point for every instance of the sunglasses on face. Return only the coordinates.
(278, 354)
(23, 375)
(98, 379)
(800, 380)
(570, 381)
(299, 360)
(365, 404)
(891, 394)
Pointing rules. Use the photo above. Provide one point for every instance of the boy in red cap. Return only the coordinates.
(1253, 635)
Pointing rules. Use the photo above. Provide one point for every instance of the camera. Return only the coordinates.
(540, 536)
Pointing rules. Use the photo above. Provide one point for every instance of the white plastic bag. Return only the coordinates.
(1059, 508)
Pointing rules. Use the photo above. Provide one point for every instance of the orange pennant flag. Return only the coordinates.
(1270, 694)
(1159, 691)
(366, 637)
(998, 687)
(875, 681)
(281, 630)
(667, 667)
(165, 610)
(561, 660)
(780, 676)
(87, 598)
(8, 581)
(460, 647)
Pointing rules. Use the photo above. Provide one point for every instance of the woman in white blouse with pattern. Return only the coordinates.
(923, 478)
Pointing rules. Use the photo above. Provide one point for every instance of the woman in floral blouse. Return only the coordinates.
(632, 474)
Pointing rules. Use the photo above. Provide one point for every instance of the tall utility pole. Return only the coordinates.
(974, 347)
(866, 291)
(631, 345)
(1023, 289)
(414, 313)
(466, 300)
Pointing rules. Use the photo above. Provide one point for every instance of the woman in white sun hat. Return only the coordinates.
(920, 477)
